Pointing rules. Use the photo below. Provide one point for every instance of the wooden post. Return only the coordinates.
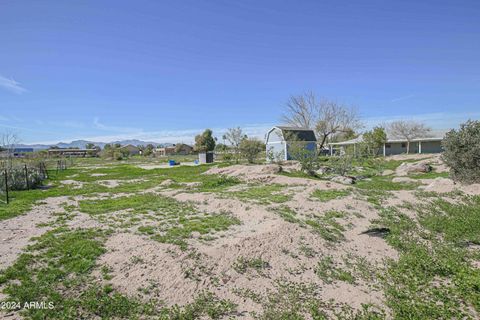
(26, 177)
(6, 184)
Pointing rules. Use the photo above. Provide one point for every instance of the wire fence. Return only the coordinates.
(26, 176)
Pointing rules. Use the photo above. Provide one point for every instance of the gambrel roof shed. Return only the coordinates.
(299, 133)
(278, 141)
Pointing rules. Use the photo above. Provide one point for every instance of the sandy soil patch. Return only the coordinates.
(15, 233)
(98, 174)
(109, 183)
(267, 174)
(177, 277)
(76, 184)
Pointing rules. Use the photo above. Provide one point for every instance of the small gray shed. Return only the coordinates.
(205, 157)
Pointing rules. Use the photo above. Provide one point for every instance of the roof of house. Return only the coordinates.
(130, 146)
(300, 134)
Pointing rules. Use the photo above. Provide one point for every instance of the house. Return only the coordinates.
(15, 152)
(279, 141)
(395, 146)
(164, 151)
(131, 149)
(70, 152)
(183, 149)
(180, 148)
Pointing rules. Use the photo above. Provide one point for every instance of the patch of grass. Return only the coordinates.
(381, 183)
(327, 227)
(23, 201)
(327, 195)
(430, 175)
(56, 269)
(264, 194)
(215, 183)
(287, 213)
(206, 304)
(138, 203)
(243, 264)
(375, 197)
(433, 277)
(457, 223)
(329, 272)
(203, 225)
(178, 220)
(307, 251)
(298, 301)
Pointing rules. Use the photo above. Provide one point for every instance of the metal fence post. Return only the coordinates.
(26, 178)
(6, 184)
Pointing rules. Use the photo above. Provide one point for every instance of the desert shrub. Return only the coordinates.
(462, 152)
(275, 157)
(308, 159)
(342, 165)
(17, 180)
(250, 148)
(228, 157)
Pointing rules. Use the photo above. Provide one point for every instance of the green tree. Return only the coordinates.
(250, 148)
(205, 141)
(148, 150)
(374, 140)
(462, 152)
(300, 151)
(235, 136)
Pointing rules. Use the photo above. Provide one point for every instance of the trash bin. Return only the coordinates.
(171, 162)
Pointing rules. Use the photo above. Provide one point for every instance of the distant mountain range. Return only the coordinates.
(81, 144)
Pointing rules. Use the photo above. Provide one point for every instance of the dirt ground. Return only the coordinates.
(144, 268)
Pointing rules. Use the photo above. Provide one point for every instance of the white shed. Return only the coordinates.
(277, 144)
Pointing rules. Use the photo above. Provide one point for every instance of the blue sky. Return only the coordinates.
(164, 70)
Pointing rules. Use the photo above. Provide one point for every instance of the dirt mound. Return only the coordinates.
(246, 171)
(441, 185)
(268, 174)
(417, 167)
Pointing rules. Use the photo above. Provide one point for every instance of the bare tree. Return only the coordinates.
(235, 137)
(8, 141)
(326, 117)
(408, 130)
(301, 110)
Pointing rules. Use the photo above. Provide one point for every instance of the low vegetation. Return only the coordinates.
(327, 195)
(329, 273)
(263, 194)
(434, 276)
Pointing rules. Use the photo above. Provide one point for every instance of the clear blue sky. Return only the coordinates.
(162, 70)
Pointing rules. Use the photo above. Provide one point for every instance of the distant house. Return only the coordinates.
(394, 146)
(164, 151)
(72, 152)
(131, 149)
(183, 149)
(279, 141)
(22, 152)
(180, 148)
(15, 152)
